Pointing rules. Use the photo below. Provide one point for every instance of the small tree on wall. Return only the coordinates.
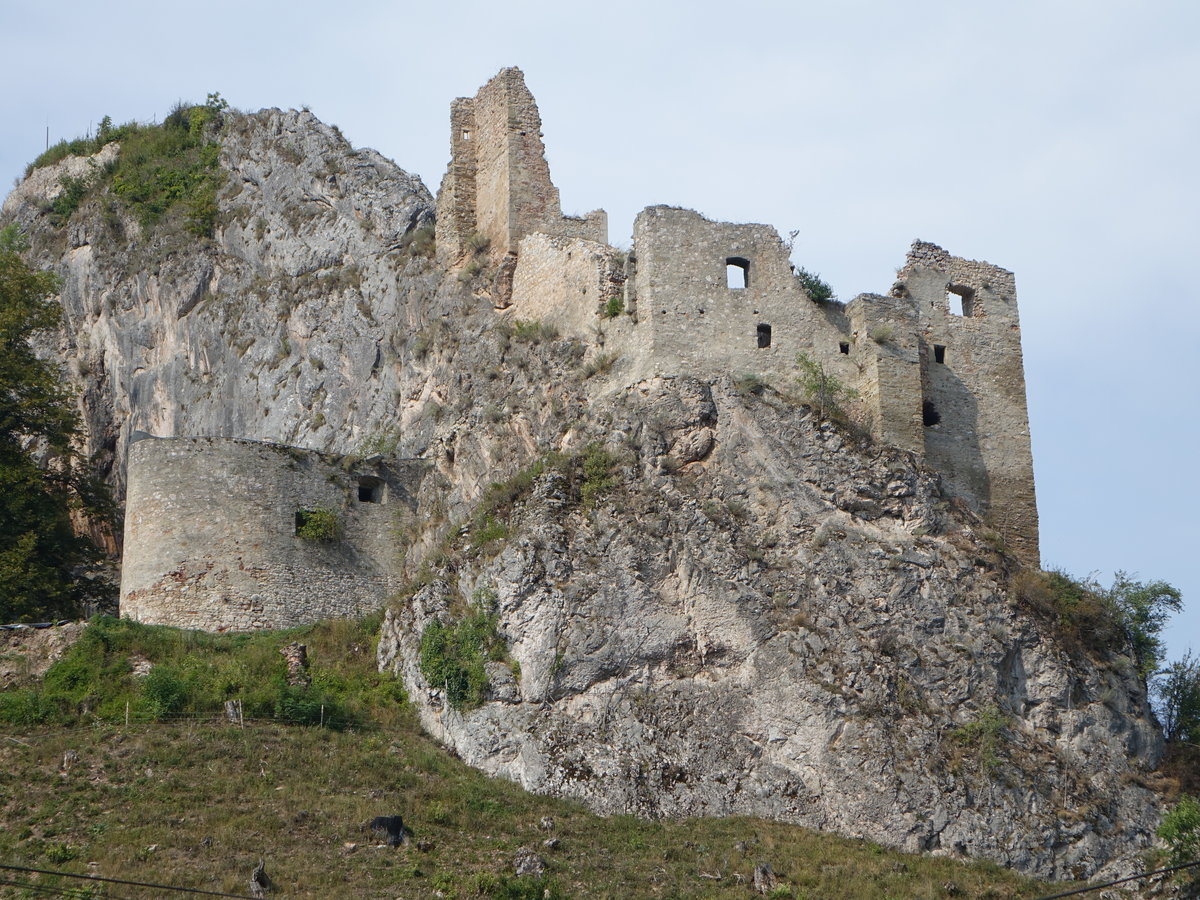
(823, 392)
(318, 525)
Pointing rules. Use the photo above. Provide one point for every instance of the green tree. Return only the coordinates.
(1177, 689)
(1142, 609)
(42, 478)
(824, 393)
(1180, 828)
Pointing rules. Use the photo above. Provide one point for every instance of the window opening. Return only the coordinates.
(764, 336)
(844, 347)
(960, 300)
(929, 414)
(737, 273)
(939, 353)
(466, 134)
(370, 489)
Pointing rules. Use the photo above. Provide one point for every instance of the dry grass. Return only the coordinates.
(198, 802)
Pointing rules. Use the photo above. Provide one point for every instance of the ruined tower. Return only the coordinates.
(498, 184)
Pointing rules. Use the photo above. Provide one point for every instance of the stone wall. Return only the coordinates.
(565, 282)
(211, 542)
(498, 183)
(973, 379)
(694, 321)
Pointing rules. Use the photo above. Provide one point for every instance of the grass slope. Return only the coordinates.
(190, 800)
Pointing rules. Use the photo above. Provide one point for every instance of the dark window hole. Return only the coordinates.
(844, 347)
(929, 414)
(764, 336)
(960, 300)
(939, 353)
(370, 490)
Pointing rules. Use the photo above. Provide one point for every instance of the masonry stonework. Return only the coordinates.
(211, 534)
(498, 184)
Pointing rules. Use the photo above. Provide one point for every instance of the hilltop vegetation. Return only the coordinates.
(159, 169)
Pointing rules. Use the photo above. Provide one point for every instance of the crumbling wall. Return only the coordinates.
(697, 323)
(973, 380)
(945, 386)
(211, 534)
(498, 183)
(885, 346)
(566, 282)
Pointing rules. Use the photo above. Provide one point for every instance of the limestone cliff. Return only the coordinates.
(763, 618)
(750, 613)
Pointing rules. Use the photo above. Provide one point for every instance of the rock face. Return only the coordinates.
(282, 327)
(712, 603)
(764, 619)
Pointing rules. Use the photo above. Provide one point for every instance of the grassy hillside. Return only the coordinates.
(181, 797)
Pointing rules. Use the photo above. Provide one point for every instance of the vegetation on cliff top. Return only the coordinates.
(159, 171)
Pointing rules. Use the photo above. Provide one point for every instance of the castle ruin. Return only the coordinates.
(212, 525)
(215, 539)
(936, 362)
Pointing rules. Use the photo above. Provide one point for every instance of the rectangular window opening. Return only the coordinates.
(844, 347)
(939, 354)
(764, 336)
(737, 273)
(370, 489)
(960, 300)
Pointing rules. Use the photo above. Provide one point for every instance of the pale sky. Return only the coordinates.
(1056, 138)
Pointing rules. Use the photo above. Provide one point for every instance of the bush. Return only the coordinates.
(1141, 609)
(1177, 689)
(296, 705)
(1083, 619)
(824, 393)
(983, 736)
(165, 692)
(320, 525)
(817, 289)
(1180, 828)
(598, 477)
(65, 204)
(614, 307)
(452, 654)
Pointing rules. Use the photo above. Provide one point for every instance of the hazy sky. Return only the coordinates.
(1056, 138)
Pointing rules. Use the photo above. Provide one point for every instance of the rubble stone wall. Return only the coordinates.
(211, 534)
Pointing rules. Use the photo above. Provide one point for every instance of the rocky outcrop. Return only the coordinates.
(765, 619)
(288, 324)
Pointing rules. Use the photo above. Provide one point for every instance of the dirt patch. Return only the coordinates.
(26, 653)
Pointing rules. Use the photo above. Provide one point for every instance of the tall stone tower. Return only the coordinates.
(498, 184)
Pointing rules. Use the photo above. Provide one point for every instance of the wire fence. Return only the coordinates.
(96, 880)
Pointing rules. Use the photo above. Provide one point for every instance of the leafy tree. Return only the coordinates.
(1178, 691)
(41, 556)
(1180, 828)
(815, 286)
(1142, 609)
